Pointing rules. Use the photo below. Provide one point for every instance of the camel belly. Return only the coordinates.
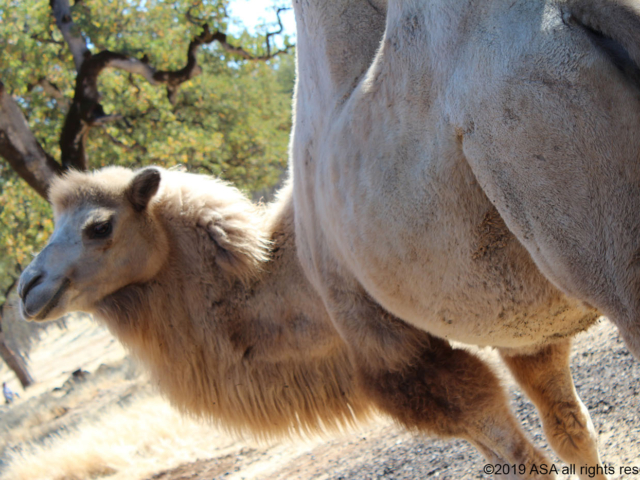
(417, 232)
(517, 326)
(499, 299)
(443, 260)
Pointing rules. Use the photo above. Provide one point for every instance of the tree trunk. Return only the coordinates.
(15, 363)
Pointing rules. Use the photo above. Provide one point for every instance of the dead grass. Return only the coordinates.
(126, 443)
(110, 424)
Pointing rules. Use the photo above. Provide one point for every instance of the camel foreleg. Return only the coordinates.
(546, 379)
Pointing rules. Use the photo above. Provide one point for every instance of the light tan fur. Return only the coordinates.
(223, 318)
(546, 379)
(471, 170)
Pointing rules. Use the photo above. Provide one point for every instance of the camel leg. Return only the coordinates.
(426, 385)
(546, 379)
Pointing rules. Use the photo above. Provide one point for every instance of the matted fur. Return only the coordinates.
(228, 325)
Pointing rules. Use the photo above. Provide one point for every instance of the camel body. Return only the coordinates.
(445, 171)
(470, 168)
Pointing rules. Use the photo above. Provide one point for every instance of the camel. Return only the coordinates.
(467, 171)
(460, 173)
(205, 289)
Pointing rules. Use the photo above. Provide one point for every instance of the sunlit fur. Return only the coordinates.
(228, 326)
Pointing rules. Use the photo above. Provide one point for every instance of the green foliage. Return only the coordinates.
(232, 120)
(25, 224)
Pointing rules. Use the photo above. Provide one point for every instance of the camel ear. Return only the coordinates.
(143, 186)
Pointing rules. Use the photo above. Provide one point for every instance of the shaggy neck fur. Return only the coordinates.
(256, 355)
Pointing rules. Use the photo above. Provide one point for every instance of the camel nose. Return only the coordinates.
(28, 280)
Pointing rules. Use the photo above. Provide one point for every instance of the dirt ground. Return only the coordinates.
(42, 426)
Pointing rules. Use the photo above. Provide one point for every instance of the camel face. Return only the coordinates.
(99, 245)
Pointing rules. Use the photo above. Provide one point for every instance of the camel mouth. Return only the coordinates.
(51, 304)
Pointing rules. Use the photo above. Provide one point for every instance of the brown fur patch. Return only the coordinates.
(143, 186)
(493, 235)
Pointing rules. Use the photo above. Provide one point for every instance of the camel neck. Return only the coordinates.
(262, 357)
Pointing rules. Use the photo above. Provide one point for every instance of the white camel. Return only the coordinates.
(471, 168)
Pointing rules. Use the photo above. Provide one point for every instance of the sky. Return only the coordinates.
(253, 13)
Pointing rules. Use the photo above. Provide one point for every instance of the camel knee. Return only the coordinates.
(451, 392)
(425, 384)
(570, 432)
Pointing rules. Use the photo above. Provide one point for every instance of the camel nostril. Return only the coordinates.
(29, 286)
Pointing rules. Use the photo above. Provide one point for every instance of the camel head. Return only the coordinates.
(106, 237)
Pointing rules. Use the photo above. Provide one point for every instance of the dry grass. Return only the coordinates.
(126, 443)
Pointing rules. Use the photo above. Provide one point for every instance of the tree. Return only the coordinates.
(131, 83)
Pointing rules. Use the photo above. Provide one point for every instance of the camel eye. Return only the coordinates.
(99, 230)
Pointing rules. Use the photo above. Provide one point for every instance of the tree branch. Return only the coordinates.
(221, 38)
(70, 33)
(277, 32)
(241, 52)
(87, 112)
(20, 148)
